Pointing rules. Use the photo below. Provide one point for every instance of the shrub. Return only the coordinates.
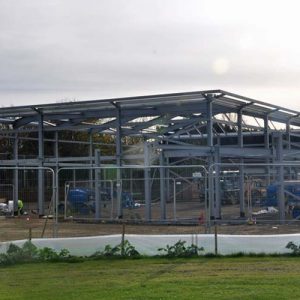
(293, 247)
(180, 250)
(48, 254)
(29, 253)
(129, 250)
(111, 251)
(121, 250)
(16, 254)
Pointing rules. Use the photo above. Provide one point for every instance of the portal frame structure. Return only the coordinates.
(213, 126)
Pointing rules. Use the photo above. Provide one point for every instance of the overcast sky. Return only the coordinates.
(53, 51)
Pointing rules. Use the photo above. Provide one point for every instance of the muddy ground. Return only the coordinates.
(19, 227)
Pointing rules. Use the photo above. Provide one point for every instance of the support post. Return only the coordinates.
(216, 238)
(123, 240)
(97, 186)
(91, 159)
(56, 188)
(288, 135)
(242, 188)
(162, 187)
(288, 145)
(209, 123)
(167, 174)
(267, 146)
(147, 182)
(241, 168)
(211, 194)
(16, 174)
(217, 211)
(279, 159)
(41, 179)
(209, 130)
(119, 163)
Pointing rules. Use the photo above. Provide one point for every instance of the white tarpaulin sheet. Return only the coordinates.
(149, 244)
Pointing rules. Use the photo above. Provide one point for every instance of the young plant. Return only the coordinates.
(48, 254)
(15, 254)
(29, 251)
(294, 248)
(180, 250)
(129, 250)
(122, 250)
(111, 251)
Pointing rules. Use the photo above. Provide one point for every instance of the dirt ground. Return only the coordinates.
(19, 228)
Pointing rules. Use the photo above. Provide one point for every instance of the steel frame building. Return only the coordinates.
(212, 126)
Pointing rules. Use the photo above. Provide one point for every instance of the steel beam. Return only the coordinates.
(24, 121)
(224, 152)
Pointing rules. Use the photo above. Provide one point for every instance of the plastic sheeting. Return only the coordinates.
(149, 244)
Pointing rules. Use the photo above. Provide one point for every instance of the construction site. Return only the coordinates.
(193, 158)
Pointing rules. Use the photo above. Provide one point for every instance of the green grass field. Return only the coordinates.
(155, 278)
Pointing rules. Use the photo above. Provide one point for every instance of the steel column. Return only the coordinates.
(209, 132)
(119, 163)
(55, 201)
(16, 173)
(211, 194)
(91, 159)
(280, 194)
(167, 174)
(147, 183)
(97, 186)
(288, 135)
(217, 210)
(41, 172)
(162, 187)
(267, 146)
(209, 124)
(241, 168)
(288, 145)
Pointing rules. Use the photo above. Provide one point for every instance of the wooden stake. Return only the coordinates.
(216, 239)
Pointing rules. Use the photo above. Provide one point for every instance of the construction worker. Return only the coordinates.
(8, 207)
(20, 207)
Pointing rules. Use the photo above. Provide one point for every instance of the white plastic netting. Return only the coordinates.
(149, 244)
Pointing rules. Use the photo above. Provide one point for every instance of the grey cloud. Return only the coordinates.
(94, 48)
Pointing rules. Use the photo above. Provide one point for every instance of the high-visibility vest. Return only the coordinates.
(20, 204)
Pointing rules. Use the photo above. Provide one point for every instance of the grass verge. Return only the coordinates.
(155, 278)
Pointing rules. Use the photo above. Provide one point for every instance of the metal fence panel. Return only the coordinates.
(92, 193)
(22, 183)
(260, 193)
